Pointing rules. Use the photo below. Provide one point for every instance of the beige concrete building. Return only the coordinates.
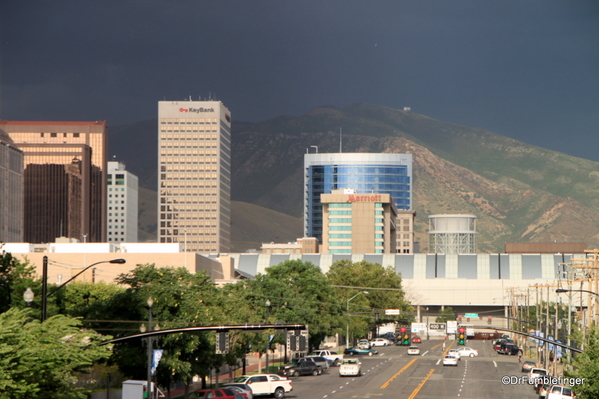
(66, 259)
(405, 232)
(358, 223)
(304, 245)
(194, 175)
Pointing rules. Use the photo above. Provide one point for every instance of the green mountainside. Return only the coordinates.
(519, 192)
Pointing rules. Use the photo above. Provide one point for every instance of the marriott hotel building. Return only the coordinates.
(194, 176)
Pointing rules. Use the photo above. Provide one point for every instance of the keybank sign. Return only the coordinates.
(196, 110)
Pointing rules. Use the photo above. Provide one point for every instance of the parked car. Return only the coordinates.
(450, 360)
(363, 344)
(241, 389)
(416, 340)
(413, 350)
(542, 391)
(380, 342)
(350, 367)
(559, 392)
(266, 384)
(360, 352)
(466, 351)
(527, 365)
(222, 393)
(535, 373)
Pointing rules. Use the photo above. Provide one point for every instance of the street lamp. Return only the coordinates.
(150, 302)
(45, 281)
(28, 297)
(347, 309)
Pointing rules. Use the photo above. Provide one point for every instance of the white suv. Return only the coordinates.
(559, 392)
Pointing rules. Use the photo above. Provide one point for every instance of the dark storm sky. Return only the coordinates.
(523, 69)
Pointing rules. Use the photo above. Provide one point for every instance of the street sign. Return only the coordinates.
(391, 312)
(471, 315)
(437, 326)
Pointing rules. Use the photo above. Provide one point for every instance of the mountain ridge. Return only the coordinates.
(518, 192)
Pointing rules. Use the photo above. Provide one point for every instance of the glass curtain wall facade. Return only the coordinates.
(194, 177)
(11, 190)
(64, 179)
(364, 172)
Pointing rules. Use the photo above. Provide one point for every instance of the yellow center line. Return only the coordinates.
(386, 384)
(419, 387)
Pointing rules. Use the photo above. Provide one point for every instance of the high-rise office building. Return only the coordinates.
(64, 179)
(194, 175)
(122, 203)
(364, 172)
(11, 190)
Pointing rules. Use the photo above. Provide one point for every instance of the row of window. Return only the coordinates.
(188, 120)
(349, 228)
(116, 195)
(186, 160)
(53, 134)
(116, 189)
(183, 128)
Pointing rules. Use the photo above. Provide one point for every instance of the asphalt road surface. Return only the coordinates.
(394, 374)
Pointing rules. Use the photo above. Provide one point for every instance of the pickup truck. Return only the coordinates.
(334, 356)
(266, 384)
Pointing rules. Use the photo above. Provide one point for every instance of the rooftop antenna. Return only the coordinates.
(340, 139)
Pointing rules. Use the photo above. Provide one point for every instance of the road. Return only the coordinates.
(395, 375)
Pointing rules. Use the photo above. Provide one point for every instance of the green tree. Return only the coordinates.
(41, 360)
(384, 287)
(15, 277)
(445, 314)
(298, 292)
(181, 299)
(586, 366)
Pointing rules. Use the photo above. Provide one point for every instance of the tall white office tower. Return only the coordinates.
(194, 175)
(122, 202)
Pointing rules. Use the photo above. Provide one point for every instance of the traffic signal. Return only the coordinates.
(222, 342)
(404, 335)
(461, 336)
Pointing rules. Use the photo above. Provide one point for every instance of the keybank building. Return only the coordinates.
(364, 172)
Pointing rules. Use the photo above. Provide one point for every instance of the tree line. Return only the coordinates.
(61, 358)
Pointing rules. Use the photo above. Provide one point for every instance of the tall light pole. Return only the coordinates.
(268, 340)
(347, 309)
(150, 302)
(45, 281)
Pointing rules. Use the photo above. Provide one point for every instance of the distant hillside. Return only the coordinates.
(518, 192)
(251, 225)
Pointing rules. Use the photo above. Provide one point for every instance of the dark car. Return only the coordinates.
(509, 349)
(224, 393)
(301, 367)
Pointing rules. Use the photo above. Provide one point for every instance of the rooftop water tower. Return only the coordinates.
(452, 234)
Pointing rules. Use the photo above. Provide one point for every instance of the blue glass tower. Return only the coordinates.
(363, 172)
